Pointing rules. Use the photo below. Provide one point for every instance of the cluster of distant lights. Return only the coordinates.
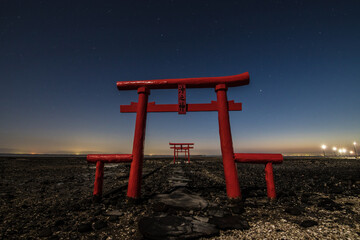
(339, 150)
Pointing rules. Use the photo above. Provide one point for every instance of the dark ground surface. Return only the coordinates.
(50, 198)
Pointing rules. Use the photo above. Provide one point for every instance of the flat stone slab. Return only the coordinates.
(178, 181)
(308, 223)
(216, 212)
(182, 198)
(179, 178)
(178, 184)
(178, 171)
(230, 222)
(114, 213)
(175, 227)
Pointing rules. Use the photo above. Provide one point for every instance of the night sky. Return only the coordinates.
(60, 61)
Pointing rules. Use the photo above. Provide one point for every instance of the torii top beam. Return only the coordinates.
(181, 143)
(203, 82)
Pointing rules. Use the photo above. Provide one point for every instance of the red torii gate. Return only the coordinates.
(182, 147)
(222, 106)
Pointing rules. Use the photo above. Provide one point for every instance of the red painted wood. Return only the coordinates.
(230, 171)
(188, 155)
(109, 158)
(181, 147)
(268, 160)
(99, 178)
(206, 107)
(222, 105)
(196, 107)
(134, 186)
(174, 155)
(269, 178)
(258, 158)
(182, 99)
(203, 82)
(181, 143)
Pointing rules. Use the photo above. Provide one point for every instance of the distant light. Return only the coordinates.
(344, 150)
(354, 143)
(323, 146)
(351, 152)
(340, 150)
(334, 148)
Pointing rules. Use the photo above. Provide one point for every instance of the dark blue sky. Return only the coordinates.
(60, 61)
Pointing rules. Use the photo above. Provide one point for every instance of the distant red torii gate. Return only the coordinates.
(222, 106)
(181, 147)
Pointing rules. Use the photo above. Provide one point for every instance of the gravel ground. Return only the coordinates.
(50, 198)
